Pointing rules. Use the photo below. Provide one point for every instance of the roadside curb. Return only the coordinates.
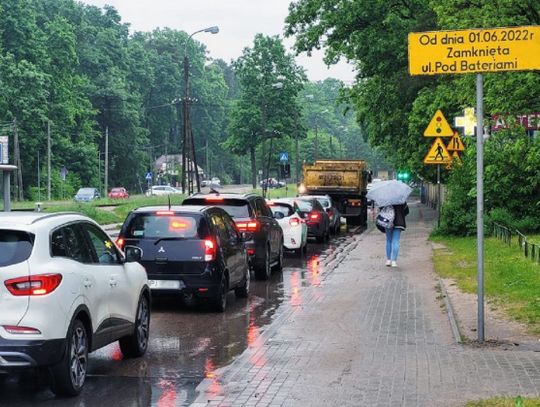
(450, 311)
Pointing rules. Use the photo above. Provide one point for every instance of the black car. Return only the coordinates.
(253, 217)
(193, 250)
(316, 217)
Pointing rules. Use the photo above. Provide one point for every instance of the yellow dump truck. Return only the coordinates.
(345, 181)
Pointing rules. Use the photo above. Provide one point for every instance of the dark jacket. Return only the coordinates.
(400, 211)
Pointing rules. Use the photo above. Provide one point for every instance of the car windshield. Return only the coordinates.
(304, 206)
(324, 202)
(117, 190)
(15, 247)
(285, 209)
(157, 226)
(237, 208)
(86, 191)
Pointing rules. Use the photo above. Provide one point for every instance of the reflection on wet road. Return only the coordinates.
(187, 344)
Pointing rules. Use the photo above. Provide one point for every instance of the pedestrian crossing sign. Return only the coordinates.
(438, 154)
(284, 156)
(438, 126)
(455, 143)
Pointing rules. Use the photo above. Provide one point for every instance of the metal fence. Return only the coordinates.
(429, 194)
(505, 234)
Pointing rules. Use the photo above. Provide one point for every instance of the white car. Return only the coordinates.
(67, 290)
(162, 190)
(294, 227)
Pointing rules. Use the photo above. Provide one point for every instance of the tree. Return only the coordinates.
(267, 107)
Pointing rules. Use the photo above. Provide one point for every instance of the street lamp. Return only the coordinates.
(187, 136)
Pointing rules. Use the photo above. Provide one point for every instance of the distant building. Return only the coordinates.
(171, 164)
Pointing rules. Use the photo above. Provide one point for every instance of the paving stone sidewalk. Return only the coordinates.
(368, 335)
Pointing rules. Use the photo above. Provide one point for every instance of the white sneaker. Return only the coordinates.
(388, 263)
(394, 264)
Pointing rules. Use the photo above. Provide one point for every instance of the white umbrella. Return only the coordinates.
(391, 192)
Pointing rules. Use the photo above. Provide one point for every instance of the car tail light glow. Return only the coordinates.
(250, 226)
(41, 284)
(209, 250)
(294, 221)
(120, 242)
(164, 213)
(251, 252)
(18, 330)
(314, 216)
(214, 199)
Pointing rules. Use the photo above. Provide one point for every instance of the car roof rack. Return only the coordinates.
(54, 214)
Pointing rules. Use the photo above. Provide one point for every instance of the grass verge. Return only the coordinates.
(505, 402)
(511, 281)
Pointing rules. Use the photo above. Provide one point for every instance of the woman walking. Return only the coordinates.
(393, 234)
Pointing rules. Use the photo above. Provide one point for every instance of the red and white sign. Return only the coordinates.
(530, 121)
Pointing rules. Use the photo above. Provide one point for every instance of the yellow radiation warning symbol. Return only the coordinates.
(438, 126)
(455, 143)
(438, 154)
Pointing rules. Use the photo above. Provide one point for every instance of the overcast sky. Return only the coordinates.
(238, 21)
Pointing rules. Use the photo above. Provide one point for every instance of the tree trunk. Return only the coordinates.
(253, 167)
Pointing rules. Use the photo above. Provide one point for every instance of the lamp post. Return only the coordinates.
(188, 145)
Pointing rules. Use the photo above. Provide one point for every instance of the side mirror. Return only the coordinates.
(133, 254)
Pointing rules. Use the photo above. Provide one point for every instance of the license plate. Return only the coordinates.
(166, 284)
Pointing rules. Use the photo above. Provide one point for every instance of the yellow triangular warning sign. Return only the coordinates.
(438, 127)
(438, 154)
(455, 159)
(455, 144)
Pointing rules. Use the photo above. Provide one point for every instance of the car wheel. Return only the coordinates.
(243, 290)
(135, 345)
(263, 271)
(279, 265)
(70, 373)
(220, 300)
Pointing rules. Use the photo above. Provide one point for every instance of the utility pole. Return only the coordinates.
(207, 160)
(106, 160)
(48, 160)
(316, 142)
(17, 157)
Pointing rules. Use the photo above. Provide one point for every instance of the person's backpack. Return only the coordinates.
(385, 218)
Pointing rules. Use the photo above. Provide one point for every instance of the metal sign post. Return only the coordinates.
(480, 201)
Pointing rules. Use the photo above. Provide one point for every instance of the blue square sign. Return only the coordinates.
(284, 156)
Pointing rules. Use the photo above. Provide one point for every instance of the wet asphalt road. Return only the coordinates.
(187, 344)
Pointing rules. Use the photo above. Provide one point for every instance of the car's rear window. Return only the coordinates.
(286, 209)
(152, 226)
(324, 202)
(304, 206)
(236, 208)
(15, 247)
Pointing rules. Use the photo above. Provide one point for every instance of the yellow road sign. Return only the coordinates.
(438, 126)
(455, 144)
(456, 157)
(474, 51)
(438, 154)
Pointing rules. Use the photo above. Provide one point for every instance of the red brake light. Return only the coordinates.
(250, 226)
(314, 216)
(294, 221)
(209, 250)
(214, 199)
(41, 284)
(120, 242)
(164, 213)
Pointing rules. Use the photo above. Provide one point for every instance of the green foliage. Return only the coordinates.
(267, 108)
(393, 108)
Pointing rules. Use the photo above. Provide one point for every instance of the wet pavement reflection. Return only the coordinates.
(187, 344)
